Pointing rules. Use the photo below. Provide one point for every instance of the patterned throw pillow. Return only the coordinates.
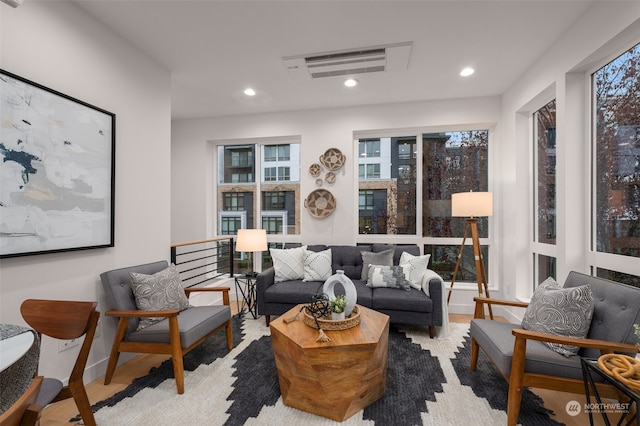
(383, 258)
(317, 266)
(561, 312)
(387, 276)
(158, 292)
(414, 268)
(288, 263)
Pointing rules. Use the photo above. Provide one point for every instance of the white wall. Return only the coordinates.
(192, 183)
(607, 29)
(59, 46)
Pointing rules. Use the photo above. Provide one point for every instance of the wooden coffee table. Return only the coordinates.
(333, 379)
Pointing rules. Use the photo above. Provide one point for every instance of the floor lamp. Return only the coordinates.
(472, 205)
(251, 240)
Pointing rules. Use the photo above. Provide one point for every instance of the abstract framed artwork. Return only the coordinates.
(57, 175)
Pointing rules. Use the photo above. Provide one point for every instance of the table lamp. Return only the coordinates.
(251, 240)
(472, 205)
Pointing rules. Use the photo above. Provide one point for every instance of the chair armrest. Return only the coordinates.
(142, 314)
(480, 302)
(604, 346)
(224, 290)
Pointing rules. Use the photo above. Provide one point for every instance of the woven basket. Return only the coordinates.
(328, 324)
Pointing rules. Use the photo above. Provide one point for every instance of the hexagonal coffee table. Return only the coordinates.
(333, 379)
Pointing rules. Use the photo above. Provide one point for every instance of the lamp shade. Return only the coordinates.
(472, 204)
(250, 240)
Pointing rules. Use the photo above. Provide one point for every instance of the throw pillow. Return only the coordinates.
(561, 312)
(383, 258)
(288, 263)
(387, 276)
(317, 265)
(158, 292)
(414, 268)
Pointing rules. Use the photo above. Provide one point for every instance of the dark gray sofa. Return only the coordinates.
(403, 307)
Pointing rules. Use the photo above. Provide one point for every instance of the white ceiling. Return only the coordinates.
(214, 49)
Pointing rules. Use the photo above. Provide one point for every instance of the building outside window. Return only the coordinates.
(616, 162)
(387, 185)
(258, 186)
(452, 162)
(544, 190)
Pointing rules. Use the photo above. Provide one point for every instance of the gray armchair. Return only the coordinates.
(523, 360)
(176, 334)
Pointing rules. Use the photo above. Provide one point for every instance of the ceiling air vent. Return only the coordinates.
(391, 57)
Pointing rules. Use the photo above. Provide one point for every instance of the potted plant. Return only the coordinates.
(337, 307)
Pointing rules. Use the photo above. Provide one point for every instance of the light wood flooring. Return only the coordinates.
(60, 412)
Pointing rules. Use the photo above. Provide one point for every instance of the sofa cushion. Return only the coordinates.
(561, 312)
(347, 259)
(288, 263)
(293, 292)
(397, 250)
(158, 292)
(394, 300)
(388, 276)
(414, 268)
(317, 266)
(384, 258)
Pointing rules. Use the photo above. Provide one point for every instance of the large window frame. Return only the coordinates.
(418, 238)
(601, 262)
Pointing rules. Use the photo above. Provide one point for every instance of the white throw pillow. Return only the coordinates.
(288, 263)
(317, 266)
(414, 268)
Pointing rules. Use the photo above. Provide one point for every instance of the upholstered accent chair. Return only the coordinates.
(522, 358)
(175, 333)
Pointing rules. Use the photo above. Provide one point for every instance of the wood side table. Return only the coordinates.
(333, 379)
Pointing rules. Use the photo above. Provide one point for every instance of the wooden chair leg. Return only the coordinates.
(475, 351)
(515, 381)
(81, 399)
(229, 328)
(176, 353)
(115, 350)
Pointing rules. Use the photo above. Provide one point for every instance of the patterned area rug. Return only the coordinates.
(428, 383)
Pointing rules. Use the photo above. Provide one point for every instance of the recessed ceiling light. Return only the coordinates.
(351, 82)
(467, 72)
(249, 92)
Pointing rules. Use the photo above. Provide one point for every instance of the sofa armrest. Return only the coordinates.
(264, 280)
(435, 292)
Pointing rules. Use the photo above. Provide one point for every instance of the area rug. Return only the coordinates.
(428, 383)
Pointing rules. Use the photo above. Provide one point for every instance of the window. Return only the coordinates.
(616, 102)
(387, 185)
(273, 189)
(277, 153)
(369, 148)
(544, 193)
(452, 162)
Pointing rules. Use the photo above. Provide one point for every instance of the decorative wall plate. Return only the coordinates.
(320, 203)
(318, 182)
(330, 177)
(333, 159)
(315, 169)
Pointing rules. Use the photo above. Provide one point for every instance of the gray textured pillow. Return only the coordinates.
(388, 276)
(383, 258)
(561, 312)
(317, 265)
(158, 292)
